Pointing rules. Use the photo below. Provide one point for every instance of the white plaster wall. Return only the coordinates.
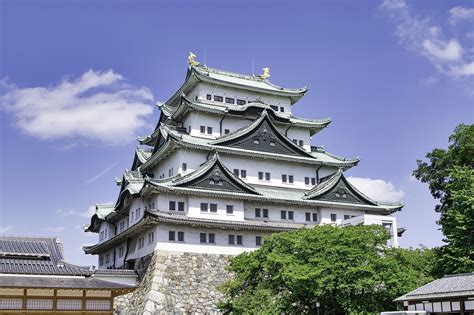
(299, 134)
(192, 240)
(195, 209)
(136, 203)
(193, 159)
(195, 120)
(120, 260)
(275, 168)
(110, 231)
(203, 88)
(368, 219)
(326, 214)
(274, 212)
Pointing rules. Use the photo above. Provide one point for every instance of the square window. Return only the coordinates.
(180, 205)
(308, 216)
(172, 205)
(243, 173)
(231, 239)
(275, 108)
(260, 175)
(184, 167)
(306, 180)
(283, 178)
(256, 141)
(267, 176)
(239, 240)
(290, 179)
(283, 215)
(229, 100)
(229, 209)
(218, 98)
(240, 102)
(282, 109)
(203, 237)
(213, 207)
(315, 217)
(257, 212)
(347, 217)
(209, 97)
(291, 215)
(209, 130)
(212, 238)
(202, 129)
(258, 240)
(171, 235)
(300, 143)
(295, 141)
(313, 181)
(180, 236)
(226, 131)
(333, 217)
(236, 172)
(265, 213)
(204, 207)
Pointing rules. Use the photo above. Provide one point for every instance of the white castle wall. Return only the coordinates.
(194, 158)
(203, 88)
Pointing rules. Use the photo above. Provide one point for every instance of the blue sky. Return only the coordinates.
(79, 80)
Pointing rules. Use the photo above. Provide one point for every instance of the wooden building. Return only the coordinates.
(35, 279)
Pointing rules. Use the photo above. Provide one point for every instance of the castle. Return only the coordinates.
(227, 164)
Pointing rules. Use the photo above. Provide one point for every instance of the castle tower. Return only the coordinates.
(227, 164)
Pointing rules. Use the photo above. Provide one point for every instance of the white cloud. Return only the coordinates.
(463, 70)
(443, 51)
(97, 106)
(102, 173)
(459, 13)
(421, 35)
(5, 229)
(73, 212)
(377, 189)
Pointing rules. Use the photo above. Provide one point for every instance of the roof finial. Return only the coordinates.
(266, 73)
(192, 59)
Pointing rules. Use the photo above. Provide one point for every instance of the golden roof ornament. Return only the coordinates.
(266, 73)
(192, 59)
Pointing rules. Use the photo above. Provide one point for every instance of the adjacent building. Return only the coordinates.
(35, 278)
(228, 164)
(452, 294)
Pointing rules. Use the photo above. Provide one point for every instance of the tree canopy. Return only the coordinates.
(345, 269)
(450, 176)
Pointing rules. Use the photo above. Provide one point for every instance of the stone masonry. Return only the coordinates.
(176, 283)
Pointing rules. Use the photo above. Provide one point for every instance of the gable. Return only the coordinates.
(342, 191)
(217, 178)
(266, 138)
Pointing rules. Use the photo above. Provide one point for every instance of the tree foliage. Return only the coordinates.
(346, 269)
(450, 177)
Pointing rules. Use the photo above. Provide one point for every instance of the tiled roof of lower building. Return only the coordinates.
(59, 282)
(448, 286)
(39, 256)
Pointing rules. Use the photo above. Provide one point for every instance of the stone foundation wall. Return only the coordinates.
(176, 283)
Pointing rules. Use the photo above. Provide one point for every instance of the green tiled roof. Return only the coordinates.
(248, 82)
(176, 139)
(322, 189)
(175, 113)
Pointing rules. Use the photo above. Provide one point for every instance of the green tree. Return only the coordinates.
(346, 269)
(450, 177)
